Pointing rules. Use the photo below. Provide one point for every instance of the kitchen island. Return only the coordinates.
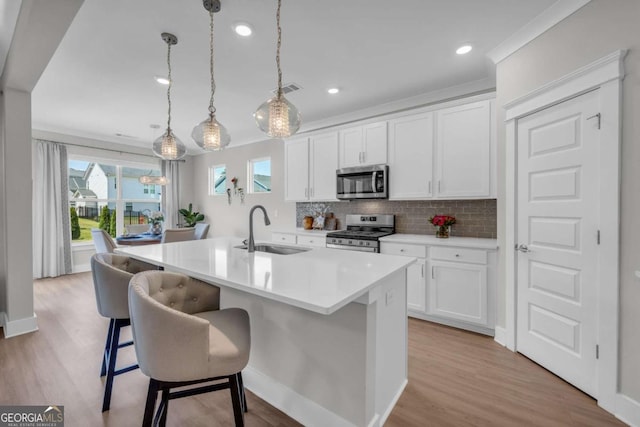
(328, 327)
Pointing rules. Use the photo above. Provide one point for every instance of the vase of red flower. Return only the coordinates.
(443, 225)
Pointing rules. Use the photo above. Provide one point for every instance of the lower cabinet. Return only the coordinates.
(416, 284)
(315, 239)
(450, 285)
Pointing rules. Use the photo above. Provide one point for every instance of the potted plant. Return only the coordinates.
(190, 217)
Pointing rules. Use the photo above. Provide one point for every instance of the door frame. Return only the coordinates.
(605, 74)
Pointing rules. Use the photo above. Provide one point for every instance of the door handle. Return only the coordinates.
(429, 187)
(523, 248)
(422, 270)
(373, 182)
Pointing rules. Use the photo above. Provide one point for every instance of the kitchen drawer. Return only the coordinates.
(474, 256)
(283, 238)
(318, 241)
(418, 251)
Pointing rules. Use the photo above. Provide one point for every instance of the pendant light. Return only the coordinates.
(277, 117)
(168, 146)
(210, 134)
(154, 180)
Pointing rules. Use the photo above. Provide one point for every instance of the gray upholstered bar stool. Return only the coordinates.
(182, 338)
(178, 235)
(111, 276)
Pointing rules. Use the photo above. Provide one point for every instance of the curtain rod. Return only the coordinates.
(108, 149)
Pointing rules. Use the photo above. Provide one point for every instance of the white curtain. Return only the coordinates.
(51, 228)
(170, 198)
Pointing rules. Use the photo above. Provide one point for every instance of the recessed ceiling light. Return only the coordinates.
(333, 90)
(464, 49)
(162, 80)
(242, 29)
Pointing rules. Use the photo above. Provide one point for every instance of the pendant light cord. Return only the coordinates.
(212, 109)
(278, 50)
(169, 87)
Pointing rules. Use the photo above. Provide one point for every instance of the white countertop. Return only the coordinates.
(302, 231)
(320, 280)
(431, 240)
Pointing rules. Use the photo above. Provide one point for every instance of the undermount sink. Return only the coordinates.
(277, 249)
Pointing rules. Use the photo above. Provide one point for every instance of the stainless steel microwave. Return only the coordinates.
(362, 182)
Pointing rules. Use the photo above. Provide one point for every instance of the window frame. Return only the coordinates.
(250, 174)
(212, 177)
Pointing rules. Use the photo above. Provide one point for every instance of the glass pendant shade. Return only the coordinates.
(157, 180)
(277, 117)
(169, 147)
(211, 135)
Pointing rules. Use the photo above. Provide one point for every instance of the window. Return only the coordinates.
(260, 175)
(108, 196)
(217, 180)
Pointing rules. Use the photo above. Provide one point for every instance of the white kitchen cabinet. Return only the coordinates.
(363, 145)
(458, 291)
(279, 237)
(411, 157)
(296, 153)
(449, 284)
(323, 150)
(416, 277)
(317, 241)
(416, 285)
(464, 151)
(310, 168)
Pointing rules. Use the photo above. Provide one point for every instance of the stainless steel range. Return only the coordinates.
(362, 233)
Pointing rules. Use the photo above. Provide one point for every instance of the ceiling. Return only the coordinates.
(100, 82)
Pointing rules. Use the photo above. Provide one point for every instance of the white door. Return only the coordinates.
(411, 157)
(463, 149)
(296, 154)
(557, 221)
(324, 162)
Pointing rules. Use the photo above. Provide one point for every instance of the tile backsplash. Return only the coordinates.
(475, 218)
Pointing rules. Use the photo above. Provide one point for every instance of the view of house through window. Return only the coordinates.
(260, 175)
(217, 180)
(109, 196)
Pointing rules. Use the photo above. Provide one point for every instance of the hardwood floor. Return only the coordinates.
(456, 378)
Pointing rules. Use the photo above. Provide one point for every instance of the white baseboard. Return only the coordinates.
(81, 268)
(627, 410)
(13, 328)
(392, 404)
(500, 336)
(296, 406)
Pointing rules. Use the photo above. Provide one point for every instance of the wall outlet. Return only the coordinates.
(389, 296)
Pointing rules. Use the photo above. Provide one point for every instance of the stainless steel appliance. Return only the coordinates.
(362, 182)
(362, 233)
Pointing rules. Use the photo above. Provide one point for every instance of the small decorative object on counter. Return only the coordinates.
(443, 224)
(330, 222)
(155, 220)
(307, 222)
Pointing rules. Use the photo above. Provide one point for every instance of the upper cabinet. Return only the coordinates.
(411, 157)
(311, 164)
(432, 153)
(363, 145)
(464, 151)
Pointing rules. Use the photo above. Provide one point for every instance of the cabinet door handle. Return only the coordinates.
(364, 156)
(433, 274)
(306, 192)
(439, 190)
(311, 192)
(429, 186)
(423, 270)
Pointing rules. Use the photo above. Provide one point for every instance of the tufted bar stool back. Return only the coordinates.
(182, 338)
(111, 276)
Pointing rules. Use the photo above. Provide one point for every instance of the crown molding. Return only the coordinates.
(538, 25)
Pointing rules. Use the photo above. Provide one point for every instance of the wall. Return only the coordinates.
(474, 218)
(592, 32)
(233, 220)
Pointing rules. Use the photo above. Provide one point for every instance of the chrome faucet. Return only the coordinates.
(251, 246)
